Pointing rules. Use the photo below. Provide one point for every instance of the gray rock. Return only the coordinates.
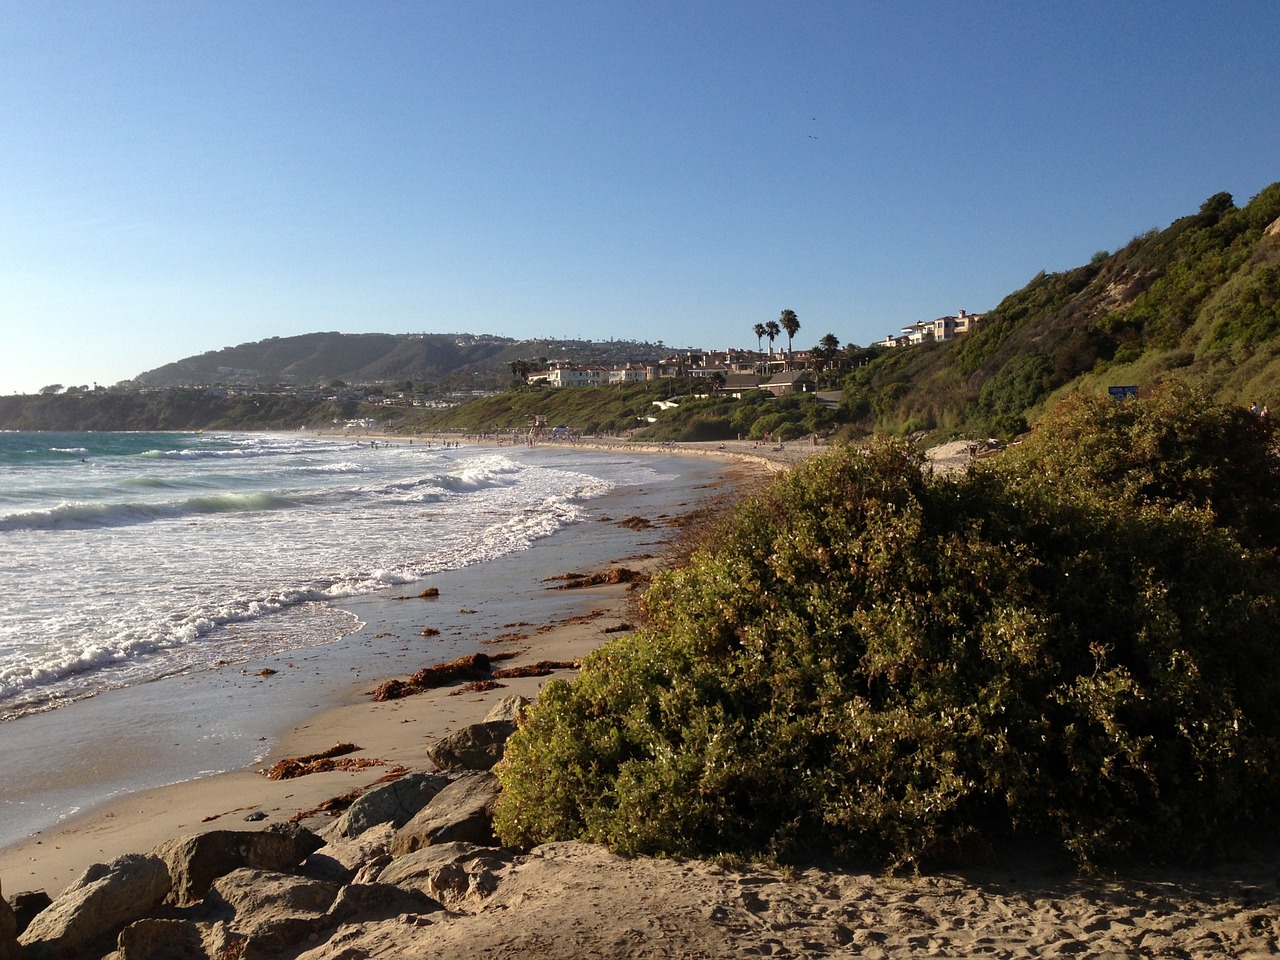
(250, 892)
(394, 803)
(96, 907)
(369, 902)
(26, 905)
(9, 948)
(461, 811)
(270, 911)
(154, 939)
(508, 708)
(339, 859)
(459, 875)
(196, 861)
(476, 747)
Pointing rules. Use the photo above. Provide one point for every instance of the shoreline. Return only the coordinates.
(531, 621)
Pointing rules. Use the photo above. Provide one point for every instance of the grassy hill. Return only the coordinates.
(1198, 300)
(429, 359)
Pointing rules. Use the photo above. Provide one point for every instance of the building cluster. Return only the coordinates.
(738, 370)
(734, 371)
(943, 328)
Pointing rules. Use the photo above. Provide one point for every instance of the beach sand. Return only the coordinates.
(571, 900)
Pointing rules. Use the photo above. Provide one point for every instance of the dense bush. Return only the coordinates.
(879, 663)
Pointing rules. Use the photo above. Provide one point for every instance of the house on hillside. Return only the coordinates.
(736, 384)
(790, 381)
(943, 328)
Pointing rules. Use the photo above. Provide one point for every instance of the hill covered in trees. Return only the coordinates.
(435, 359)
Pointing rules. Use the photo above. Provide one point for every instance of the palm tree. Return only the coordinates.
(790, 323)
(759, 331)
(824, 355)
(520, 369)
(772, 331)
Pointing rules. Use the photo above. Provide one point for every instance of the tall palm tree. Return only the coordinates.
(825, 354)
(790, 323)
(759, 331)
(772, 330)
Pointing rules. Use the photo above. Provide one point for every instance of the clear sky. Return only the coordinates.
(178, 176)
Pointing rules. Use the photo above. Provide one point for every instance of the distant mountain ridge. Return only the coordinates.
(320, 358)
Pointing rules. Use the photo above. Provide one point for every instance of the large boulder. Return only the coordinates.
(370, 902)
(475, 747)
(26, 905)
(270, 911)
(156, 939)
(9, 949)
(340, 859)
(196, 861)
(509, 707)
(462, 811)
(459, 875)
(394, 803)
(96, 907)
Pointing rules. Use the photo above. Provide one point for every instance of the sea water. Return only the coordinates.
(126, 557)
(148, 578)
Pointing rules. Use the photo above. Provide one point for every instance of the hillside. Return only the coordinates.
(1200, 300)
(320, 358)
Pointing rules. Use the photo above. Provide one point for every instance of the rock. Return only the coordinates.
(154, 939)
(368, 902)
(9, 948)
(270, 911)
(459, 875)
(395, 803)
(461, 811)
(475, 747)
(252, 893)
(96, 907)
(196, 861)
(369, 871)
(338, 861)
(26, 905)
(508, 708)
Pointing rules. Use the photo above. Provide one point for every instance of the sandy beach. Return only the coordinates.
(570, 900)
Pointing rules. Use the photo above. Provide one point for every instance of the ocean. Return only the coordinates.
(144, 571)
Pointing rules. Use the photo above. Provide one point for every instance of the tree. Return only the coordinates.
(818, 357)
(790, 323)
(57, 388)
(520, 368)
(759, 331)
(772, 331)
(831, 344)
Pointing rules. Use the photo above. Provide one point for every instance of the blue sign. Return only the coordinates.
(1121, 392)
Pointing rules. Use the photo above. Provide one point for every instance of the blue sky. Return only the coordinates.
(181, 176)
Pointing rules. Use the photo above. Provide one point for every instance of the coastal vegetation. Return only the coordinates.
(1073, 644)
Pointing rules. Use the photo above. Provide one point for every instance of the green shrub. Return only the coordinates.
(875, 662)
